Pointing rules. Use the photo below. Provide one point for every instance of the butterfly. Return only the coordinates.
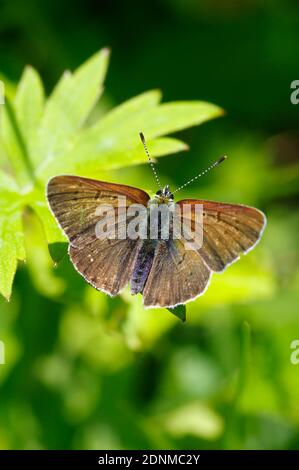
(163, 270)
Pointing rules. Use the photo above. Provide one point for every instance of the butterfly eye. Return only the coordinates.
(171, 197)
(158, 193)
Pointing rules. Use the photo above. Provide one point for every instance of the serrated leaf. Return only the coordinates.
(179, 311)
(7, 183)
(57, 241)
(87, 158)
(173, 117)
(39, 262)
(131, 108)
(8, 264)
(114, 141)
(131, 156)
(14, 145)
(154, 122)
(3, 154)
(29, 103)
(9, 87)
(12, 246)
(53, 232)
(68, 107)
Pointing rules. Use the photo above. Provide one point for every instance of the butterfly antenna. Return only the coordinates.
(150, 160)
(220, 160)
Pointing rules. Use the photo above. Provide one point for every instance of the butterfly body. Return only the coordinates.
(143, 265)
(146, 253)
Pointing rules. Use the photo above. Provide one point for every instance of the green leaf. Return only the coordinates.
(191, 419)
(130, 109)
(172, 117)
(116, 158)
(52, 231)
(15, 147)
(113, 142)
(68, 107)
(9, 87)
(29, 103)
(7, 183)
(86, 160)
(11, 243)
(39, 262)
(53, 234)
(8, 263)
(179, 311)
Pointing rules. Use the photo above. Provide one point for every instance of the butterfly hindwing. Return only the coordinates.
(177, 275)
(106, 266)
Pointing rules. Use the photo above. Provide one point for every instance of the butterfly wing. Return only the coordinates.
(228, 230)
(107, 267)
(107, 263)
(179, 275)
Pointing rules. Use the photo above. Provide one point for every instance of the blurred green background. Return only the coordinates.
(84, 371)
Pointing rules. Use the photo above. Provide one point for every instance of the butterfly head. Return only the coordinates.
(164, 195)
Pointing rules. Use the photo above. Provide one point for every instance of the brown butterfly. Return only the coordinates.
(163, 270)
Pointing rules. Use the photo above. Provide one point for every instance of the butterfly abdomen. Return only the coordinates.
(142, 266)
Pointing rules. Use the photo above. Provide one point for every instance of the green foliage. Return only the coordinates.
(44, 137)
(179, 311)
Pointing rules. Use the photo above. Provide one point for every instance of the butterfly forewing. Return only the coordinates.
(74, 201)
(107, 263)
(228, 230)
